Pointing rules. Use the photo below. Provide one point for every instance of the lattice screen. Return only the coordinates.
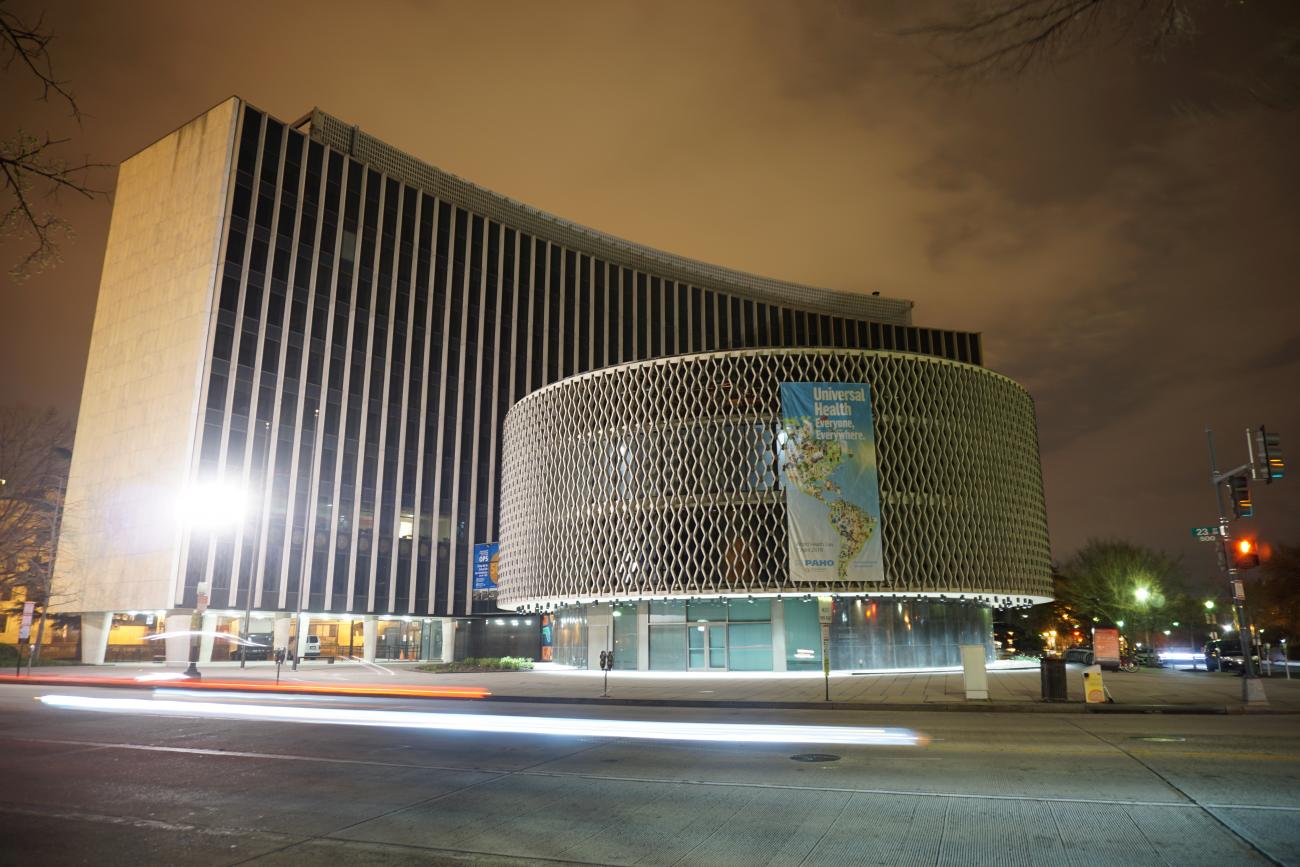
(660, 478)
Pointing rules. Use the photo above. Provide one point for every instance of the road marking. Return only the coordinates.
(503, 772)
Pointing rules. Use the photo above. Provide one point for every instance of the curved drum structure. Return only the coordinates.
(660, 481)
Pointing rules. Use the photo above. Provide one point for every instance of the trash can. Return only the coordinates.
(1052, 672)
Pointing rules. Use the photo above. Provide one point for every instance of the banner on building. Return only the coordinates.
(828, 469)
(486, 563)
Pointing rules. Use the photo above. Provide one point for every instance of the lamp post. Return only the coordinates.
(308, 538)
(196, 629)
(257, 544)
(213, 507)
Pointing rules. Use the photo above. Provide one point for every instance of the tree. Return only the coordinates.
(33, 470)
(31, 166)
(1249, 48)
(1119, 582)
(1274, 596)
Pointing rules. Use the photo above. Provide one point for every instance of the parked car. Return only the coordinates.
(311, 649)
(1224, 654)
(1147, 657)
(1078, 654)
(259, 647)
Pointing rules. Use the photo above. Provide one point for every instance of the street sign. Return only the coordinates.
(25, 625)
(1206, 534)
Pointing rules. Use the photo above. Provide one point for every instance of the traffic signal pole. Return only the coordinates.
(1252, 689)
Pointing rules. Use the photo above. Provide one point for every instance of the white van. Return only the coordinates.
(312, 647)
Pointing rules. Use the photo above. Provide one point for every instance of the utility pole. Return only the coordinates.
(1252, 690)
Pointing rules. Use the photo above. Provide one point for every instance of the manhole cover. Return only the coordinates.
(815, 757)
(1160, 739)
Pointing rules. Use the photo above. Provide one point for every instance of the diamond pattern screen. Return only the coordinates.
(660, 479)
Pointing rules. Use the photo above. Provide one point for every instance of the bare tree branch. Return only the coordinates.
(31, 167)
(32, 472)
(1011, 36)
(29, 46)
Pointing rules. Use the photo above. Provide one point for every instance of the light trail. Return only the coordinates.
(735, 733)
(254, 686)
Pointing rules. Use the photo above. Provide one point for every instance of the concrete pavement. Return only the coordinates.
(1005, 789)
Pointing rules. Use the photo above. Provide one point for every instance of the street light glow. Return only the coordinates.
(213, 506)
(1142, 594)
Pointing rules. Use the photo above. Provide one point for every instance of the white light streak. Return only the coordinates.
(735, 733)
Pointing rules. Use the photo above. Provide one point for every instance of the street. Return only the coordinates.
(97, 787)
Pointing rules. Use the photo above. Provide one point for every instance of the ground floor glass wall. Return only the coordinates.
(888, 633)
(738, 634)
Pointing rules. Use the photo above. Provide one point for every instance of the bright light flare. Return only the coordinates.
(213, 506)
(735, 733)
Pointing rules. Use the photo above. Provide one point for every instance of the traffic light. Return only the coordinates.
(1268, 456)
(1244, 554)
(1239, 488)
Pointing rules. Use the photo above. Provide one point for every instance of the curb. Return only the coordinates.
(941, 707)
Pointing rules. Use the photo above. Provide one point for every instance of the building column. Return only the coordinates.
(448, 640)
(778, 635)
(643, 636)
(600, 633)
(208, 640)
(178, 637)
(304, 629)
(280, 633)
(94, 636)
(369, 638)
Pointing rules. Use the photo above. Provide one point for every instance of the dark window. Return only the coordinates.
(582, 322)
(683, 335)
(599, 343)
(628, 313)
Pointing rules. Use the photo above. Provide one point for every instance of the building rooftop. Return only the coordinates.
(349, 139)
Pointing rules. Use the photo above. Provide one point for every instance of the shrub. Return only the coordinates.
(479, 663)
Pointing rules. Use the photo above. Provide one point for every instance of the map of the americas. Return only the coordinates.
(811, 464)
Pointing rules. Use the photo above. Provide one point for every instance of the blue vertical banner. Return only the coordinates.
(828, 469)
(486, 560)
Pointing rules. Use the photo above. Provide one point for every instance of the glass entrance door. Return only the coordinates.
(707, 645)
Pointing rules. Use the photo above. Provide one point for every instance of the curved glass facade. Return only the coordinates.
(375, 320)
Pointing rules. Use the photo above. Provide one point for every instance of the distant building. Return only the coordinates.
(304, 352)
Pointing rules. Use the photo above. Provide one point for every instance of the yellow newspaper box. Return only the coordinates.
(1094, 691)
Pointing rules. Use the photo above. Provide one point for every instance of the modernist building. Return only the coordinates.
(304, 352)
(646, 504)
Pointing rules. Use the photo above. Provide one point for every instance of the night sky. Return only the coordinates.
(1125, 231)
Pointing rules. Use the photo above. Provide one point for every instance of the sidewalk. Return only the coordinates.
(1009, 688)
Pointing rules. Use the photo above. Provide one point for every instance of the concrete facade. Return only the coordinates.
(122, 530)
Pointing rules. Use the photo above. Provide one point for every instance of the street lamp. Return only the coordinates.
(257, 545)
(1209, 604)
(1142, 594)
(212, 507)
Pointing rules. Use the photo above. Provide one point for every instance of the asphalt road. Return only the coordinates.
(87, 787)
